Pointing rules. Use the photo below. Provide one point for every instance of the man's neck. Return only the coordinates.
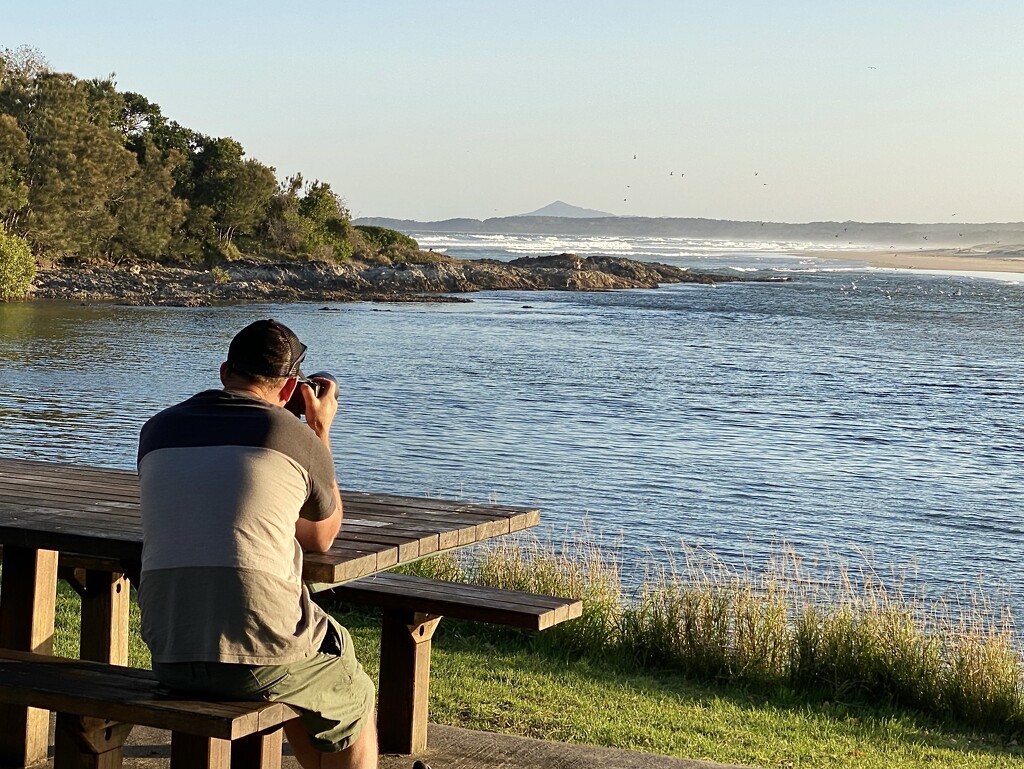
(250, 392)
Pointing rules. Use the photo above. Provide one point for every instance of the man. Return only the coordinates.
(233, 488)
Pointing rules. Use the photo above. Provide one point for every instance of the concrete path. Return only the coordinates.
(452, 748)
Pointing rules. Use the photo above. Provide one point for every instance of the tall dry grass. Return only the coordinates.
(845, 633)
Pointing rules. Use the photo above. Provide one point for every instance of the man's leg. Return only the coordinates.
(362, 754)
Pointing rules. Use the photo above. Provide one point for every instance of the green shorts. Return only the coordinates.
(329, 687)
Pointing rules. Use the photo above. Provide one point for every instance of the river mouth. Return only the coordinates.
(864, 413)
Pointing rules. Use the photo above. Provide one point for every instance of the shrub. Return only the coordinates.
(385, 239)
(220, 275)
(17, 266)
(422, 257)
(224, 251)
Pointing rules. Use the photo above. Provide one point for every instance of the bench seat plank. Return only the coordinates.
(462, 601)
(127, 695)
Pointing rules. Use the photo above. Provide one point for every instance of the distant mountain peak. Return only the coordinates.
(563, 209)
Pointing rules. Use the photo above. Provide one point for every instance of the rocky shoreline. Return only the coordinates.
(436, 281)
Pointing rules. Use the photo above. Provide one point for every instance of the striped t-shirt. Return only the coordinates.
(223, 478)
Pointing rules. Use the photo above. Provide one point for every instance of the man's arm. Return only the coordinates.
(318, 536)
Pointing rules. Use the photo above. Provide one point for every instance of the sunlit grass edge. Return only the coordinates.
(844, 635)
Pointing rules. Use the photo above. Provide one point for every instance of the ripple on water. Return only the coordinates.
(738, 417)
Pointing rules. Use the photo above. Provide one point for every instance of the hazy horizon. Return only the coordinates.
(955, 221)
(790, 112)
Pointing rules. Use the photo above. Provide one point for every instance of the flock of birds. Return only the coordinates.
(765, 184)
(681, 175)
(892, 293)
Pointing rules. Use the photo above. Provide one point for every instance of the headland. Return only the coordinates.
(437, 278)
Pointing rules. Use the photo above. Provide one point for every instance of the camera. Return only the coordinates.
(296, 404)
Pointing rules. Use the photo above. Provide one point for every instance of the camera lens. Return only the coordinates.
(323, 375)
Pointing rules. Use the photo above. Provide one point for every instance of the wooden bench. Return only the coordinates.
(97, 705)
(412, 607)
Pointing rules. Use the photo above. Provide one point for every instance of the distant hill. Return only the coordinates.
(568, 211)
(995, 236)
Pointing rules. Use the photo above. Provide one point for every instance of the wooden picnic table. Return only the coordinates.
(84, 523)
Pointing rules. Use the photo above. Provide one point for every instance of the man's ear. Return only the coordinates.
(225, 372)
(287, 389)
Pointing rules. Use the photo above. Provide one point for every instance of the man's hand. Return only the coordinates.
(320, 411)
(318, 536)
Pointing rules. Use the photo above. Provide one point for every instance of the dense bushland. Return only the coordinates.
(90, 173)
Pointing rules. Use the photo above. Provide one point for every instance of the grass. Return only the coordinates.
(843, 635)
(767, 669)
(500, 685)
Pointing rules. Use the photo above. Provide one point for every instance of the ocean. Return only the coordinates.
(850, 413)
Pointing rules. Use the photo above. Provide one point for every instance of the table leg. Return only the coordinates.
(191, 752)
(28, 591)
(81, 742)
(258, 751)
(404, 681)
(105, 601)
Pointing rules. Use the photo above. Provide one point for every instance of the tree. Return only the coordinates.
(139, 117)
(149, 214)
(237, 192)
(284, 228)
(17, 266)
(13, 158)
(328, 229)
(77, 165)
(23, 61)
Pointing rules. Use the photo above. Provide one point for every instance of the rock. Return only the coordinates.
(436, 281)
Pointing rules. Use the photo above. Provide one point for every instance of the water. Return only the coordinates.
(858, 411)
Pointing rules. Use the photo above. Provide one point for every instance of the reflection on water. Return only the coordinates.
(870, 412)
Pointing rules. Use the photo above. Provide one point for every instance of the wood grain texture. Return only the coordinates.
(451, 599)
(28, 587)
(404, 690)
(126, 695)
(105, 602)
(94, 512)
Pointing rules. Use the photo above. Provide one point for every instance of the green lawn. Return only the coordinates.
(501, 686)
(498, 682)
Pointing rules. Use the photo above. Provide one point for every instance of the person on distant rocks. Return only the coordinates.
(233, 488)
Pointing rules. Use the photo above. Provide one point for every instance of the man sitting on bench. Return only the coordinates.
(233, 488)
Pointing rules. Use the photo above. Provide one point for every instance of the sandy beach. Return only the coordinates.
(939, 259)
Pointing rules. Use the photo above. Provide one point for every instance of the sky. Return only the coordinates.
(784, 111)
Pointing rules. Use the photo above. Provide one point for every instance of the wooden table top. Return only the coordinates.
(94, 511)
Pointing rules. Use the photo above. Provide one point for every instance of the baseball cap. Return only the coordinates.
(267, 348)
